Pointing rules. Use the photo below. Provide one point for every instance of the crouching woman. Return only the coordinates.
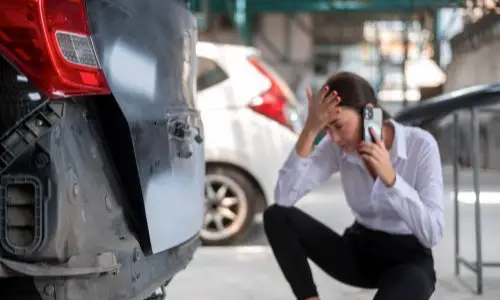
(394, 187)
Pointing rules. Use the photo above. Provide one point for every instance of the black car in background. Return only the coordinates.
(436, 115)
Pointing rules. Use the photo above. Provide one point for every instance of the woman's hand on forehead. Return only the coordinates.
(323, 108)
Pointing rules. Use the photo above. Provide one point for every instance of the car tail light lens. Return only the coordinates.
(272, 103)
(49, 41)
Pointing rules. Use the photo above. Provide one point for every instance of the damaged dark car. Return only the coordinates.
(101, 148)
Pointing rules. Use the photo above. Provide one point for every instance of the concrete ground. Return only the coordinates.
(250, 272)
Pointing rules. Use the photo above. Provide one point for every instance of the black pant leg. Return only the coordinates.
(412, 281)
(295, 236)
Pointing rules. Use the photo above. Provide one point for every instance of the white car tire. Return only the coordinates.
(230, 208)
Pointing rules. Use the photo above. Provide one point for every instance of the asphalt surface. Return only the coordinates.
(249, 271)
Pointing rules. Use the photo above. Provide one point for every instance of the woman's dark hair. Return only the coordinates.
(355, 91)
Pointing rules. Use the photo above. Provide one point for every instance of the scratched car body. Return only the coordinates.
(102, 159)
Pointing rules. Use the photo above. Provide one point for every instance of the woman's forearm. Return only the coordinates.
(306, 167)
(305, 142)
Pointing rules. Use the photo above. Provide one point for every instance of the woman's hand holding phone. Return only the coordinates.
(322, 109)
(377, 157)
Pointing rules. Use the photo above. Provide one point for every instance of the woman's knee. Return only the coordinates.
(277, 217)
(275, 214)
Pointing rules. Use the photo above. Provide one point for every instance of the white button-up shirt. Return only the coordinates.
(413, 205)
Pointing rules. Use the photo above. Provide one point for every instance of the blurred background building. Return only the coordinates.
(410, 50)
(402, 47)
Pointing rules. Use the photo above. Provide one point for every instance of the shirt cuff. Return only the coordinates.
(398, 191)
(296, 161)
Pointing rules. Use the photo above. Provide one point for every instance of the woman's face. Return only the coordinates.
(345, 129)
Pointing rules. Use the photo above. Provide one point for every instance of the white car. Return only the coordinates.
(250, 118)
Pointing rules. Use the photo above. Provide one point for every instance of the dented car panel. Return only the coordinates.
(146, 52)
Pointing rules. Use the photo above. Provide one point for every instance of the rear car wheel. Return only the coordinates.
(229, 206)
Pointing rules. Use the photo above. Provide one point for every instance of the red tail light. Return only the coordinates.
(49, 41)
(271, 103)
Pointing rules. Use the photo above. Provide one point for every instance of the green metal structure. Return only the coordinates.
(243, 11)
(294, 6)
(244, 14)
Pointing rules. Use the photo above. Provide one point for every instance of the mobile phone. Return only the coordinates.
(372, 118)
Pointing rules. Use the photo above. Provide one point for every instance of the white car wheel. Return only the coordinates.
(229, 206)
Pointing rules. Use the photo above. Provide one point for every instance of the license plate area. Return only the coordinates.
(175, 200)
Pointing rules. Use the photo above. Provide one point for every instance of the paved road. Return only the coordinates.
(250, 272)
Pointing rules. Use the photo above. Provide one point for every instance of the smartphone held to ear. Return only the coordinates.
(372, 118)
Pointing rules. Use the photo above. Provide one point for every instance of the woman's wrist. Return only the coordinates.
(311, 129)
(306, 141)
(390, 179)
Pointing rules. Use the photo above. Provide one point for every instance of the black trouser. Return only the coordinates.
(397, 265)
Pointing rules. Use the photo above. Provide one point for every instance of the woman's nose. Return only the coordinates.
(336, 139)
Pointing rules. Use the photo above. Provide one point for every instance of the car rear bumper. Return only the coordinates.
(140, 271)
(83, 224)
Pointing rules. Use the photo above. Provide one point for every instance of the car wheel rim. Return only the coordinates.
(226, 207)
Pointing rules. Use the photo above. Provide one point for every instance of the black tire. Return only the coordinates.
(242, 185)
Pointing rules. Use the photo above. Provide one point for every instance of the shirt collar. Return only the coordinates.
(398, 149)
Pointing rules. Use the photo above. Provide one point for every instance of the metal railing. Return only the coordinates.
(479, 264)
(476, 99)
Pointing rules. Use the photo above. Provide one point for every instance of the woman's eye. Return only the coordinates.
(338, 126)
